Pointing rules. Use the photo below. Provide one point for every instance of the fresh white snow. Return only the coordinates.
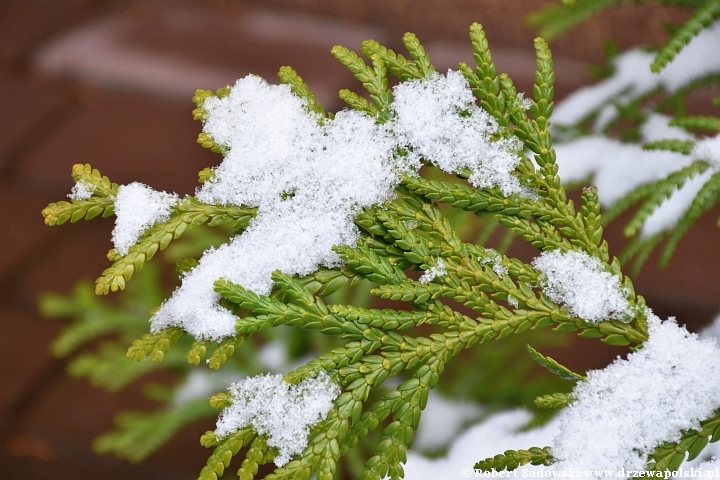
(309, 180)
(438, 117)
(284, 413)
(622, 412)
(137, 208)
(579, 281)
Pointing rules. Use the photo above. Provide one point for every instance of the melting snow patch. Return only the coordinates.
(137, 208)
(621, 413)
(579, 281)
(283, 412)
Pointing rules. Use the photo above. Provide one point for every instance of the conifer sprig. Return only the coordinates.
(503, 295)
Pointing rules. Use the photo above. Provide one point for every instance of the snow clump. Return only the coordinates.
(622, 412)
(439, 119)
(137, 208)
(579, 281)
(283, 412)
(308, 180)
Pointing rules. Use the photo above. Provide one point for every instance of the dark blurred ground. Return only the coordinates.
(109, 83)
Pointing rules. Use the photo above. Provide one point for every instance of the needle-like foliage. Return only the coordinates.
(475, 294)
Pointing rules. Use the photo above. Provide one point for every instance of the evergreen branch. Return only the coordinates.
(367, 262)
(198, 99)
(258, 454)
(186, 215)
(651, 189)
(101, 201)
(391, 453)
(137, 434)
(60, 212)
(553, 401)
(206, 141)
(374, 79)
(703, 201)
(356, 102)
(225, 449)
(290, 77)
(417, 52)
(700, 122)
(223, 351)
(543, 90)
(554, 367)
(512, 459)
(483, 80)
(669, 456)
(154, 345)
(326, 281)
(681, 146)
(310, 312)
(396, 64)
(702, 17)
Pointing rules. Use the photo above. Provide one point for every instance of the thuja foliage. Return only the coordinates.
(483, 296)
(635, 106)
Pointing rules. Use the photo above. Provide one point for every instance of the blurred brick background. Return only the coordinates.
(109, 83)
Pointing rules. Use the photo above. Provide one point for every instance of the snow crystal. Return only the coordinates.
(82, 190)
(492, 256)
(432, 273)
(621, 413)
(138, 207)
(438, 118)
(633, 77)
(671, 210)
(307, 180)
(708, 150)
(580, 282)
(284, 413)
(616, 168)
